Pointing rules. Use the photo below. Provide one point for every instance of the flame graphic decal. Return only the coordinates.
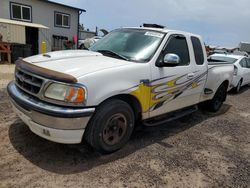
(165, 91)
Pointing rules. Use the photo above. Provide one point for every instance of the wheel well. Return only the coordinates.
(132, 101)
(225, 83)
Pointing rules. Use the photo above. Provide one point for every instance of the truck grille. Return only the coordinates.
(28, 82)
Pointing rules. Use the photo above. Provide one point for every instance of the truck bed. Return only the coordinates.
(217, 74)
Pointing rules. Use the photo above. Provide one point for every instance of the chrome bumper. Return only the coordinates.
(48, 115)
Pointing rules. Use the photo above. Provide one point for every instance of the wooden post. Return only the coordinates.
(5, 48)
(9, 54)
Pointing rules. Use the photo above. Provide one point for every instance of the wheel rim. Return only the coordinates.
(115, 129)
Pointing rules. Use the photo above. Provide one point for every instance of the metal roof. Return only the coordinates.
(55, 3)
(245, 46)
(14, 22)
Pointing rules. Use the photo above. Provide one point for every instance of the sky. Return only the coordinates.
(220, 22)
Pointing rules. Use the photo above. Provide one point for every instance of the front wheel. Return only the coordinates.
(215, 104)
(82, 47)
(111, 126)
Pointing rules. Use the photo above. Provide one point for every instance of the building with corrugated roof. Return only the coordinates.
(245, 46)
(35, 21)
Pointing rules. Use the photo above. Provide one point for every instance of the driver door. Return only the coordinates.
(172, 86)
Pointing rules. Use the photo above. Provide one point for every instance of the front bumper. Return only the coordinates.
(55, 123)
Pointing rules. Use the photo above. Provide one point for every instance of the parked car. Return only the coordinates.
(241, 68)
(87, 43)
(147, 75)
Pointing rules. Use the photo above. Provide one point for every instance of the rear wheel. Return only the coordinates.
(215, 104)
(237, 89)
(111, 126)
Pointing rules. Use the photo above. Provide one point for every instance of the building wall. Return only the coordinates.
(12, 33)
(43, 13)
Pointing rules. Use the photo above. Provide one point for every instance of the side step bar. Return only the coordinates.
(170, 116)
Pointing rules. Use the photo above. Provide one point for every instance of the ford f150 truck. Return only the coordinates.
(131, 75)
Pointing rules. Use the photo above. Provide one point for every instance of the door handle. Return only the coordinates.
(190, 75)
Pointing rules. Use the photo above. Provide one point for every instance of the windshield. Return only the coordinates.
(221, 59)
(129, 44)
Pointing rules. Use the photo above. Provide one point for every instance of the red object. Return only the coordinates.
(75, 39)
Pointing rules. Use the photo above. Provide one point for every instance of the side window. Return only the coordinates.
(178, 45)
(243, 63)
(248, 63)
(198, 52)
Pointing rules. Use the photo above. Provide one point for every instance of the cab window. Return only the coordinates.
(198, 52)
(177, 44)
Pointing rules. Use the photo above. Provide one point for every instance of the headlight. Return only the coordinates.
(67, 93)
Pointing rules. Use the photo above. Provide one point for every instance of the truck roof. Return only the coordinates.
(163, 30)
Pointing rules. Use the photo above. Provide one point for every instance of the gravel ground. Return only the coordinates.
(6, 74)
(201, 150)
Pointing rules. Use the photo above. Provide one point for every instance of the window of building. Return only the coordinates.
(177, 44)
(58, 42)
(198, 52)
(62, 20)
(20, 12)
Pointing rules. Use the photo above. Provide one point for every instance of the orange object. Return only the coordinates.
(80, 95)
(76, 95)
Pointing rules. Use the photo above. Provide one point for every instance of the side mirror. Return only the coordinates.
(171, 60)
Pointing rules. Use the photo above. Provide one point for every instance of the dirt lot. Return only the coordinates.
(202, 150)
(6, 74)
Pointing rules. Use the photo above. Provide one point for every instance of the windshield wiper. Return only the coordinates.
(114, 54)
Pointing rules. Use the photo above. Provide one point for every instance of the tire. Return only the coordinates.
(237, 88)
(111, 126)
(215, 104)
(82, 47)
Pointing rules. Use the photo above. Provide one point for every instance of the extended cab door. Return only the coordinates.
(201, 67)
(176, 87)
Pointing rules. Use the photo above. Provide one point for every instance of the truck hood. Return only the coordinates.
(76, 63)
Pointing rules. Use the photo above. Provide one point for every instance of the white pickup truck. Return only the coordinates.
(140, 74)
